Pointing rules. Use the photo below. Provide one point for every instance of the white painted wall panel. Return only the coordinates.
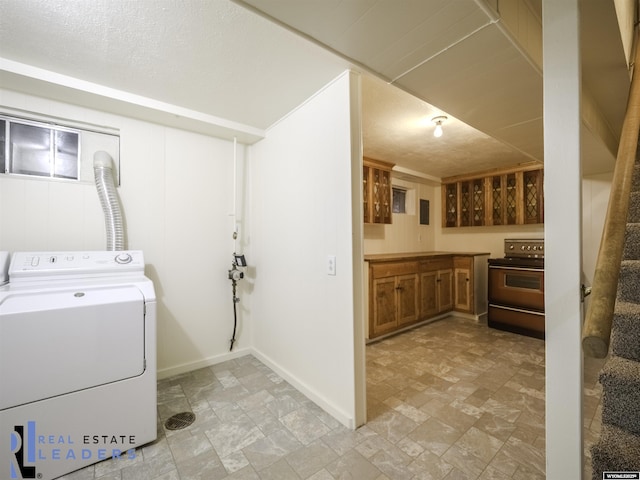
(302, 318)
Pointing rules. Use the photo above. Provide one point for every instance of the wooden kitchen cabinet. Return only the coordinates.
(533, 196)
(384, 306)
(429, 304)
(463, 278)
(445, 290)
(436, 292)
(376, 191)
(472, 203)
(502, 197)
(394, 297)
(450, 203)
(406, 289)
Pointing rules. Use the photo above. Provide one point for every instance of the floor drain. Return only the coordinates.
(180, 421)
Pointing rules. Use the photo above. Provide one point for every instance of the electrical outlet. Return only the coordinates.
(331, 264)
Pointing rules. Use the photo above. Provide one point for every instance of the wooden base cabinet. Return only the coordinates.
(393, 297)
(436, 292)
(463, 274)
(405, 291)
(429, 304)
(470, 285)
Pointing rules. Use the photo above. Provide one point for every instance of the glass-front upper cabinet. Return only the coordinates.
(376, 184)
(510, 197)
(451, 204)
(533, 196)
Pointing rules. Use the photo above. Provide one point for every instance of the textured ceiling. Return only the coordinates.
(209, 56)
(220, 60)
(397, 127)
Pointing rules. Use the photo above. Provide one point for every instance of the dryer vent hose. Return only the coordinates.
(106, 186)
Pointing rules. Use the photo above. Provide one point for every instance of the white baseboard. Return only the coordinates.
(337, 413)
(205, 362)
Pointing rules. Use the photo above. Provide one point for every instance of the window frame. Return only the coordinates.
(8, 157)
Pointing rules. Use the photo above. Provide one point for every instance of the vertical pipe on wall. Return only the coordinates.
(234, 211)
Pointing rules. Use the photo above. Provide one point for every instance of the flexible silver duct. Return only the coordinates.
(106, 186)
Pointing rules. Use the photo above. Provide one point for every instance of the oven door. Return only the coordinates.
(518, 287)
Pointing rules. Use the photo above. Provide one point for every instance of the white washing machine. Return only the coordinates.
(77, 361)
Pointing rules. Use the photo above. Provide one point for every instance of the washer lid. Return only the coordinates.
(4, 267)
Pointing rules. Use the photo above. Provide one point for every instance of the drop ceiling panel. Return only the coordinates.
(487, 82)
(434, 34)
(317, 19)
(526, 137)
(388, 36)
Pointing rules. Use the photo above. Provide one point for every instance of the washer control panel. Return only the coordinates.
(39, 265)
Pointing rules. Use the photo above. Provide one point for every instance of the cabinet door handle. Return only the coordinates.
(398, 287)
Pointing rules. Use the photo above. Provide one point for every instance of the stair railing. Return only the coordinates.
(596, 331)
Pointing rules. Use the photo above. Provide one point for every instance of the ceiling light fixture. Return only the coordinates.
(437, 132)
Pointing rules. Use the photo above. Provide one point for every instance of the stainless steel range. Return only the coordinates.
(516, 288)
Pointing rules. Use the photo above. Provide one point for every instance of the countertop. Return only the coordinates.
(385, 257)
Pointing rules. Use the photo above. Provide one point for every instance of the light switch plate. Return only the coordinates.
(331, 264)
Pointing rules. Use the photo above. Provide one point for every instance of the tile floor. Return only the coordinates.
(450, 400)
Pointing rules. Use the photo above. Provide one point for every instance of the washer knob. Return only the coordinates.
(123, 258)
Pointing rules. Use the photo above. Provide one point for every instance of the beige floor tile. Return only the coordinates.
(452, 400)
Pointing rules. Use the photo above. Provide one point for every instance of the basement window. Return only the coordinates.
(399, 200)
(38, 149)
(42, 147)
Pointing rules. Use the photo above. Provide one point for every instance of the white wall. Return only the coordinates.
(405, 234)
(176, 190)
(301, 195)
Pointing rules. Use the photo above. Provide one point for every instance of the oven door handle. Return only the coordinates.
(513, 309)
(520, 269)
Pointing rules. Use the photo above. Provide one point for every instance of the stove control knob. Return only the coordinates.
(511, 247)
(535, 248)
(123, 258)
(528, 247)
(522, 247)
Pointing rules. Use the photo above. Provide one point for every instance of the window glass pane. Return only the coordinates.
(66, 161)
(399, 200)
(30, 150)
(3, 143)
